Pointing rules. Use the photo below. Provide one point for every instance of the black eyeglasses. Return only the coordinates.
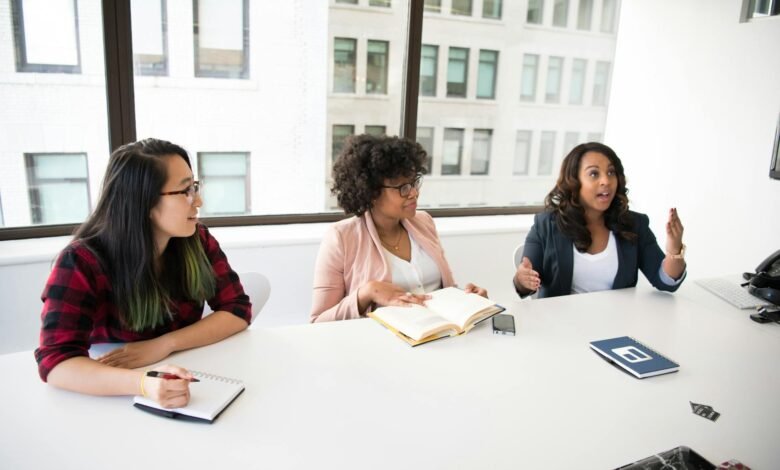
(190, 191)
(406, 189)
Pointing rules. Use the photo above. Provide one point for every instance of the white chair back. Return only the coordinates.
(517, 256)
(257, 287)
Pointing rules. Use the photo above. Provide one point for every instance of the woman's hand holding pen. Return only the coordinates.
(526, 278)
(137, 354)
(170, 393)
(386, 293)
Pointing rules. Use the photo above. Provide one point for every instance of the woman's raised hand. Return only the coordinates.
(526, 277)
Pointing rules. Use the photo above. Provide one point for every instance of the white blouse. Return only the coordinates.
(595, 272)
(418, 275)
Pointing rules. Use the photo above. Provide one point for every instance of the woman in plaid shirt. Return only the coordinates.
(138, 272)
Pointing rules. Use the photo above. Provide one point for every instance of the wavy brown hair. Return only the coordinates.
(365, 163)
(564, 199)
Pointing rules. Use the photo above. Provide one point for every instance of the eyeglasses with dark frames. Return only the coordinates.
(190, 191)
(406, 189)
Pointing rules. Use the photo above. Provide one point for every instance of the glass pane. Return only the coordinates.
(560, 13)
(344, 65)
(150, 56)
(221, 38)
(53, 113)
(429, 63)
(491, 9)
(376, 130)
(425, 139)
(379, 3)
(433, 6)
(585, 14)
(461, 7)
(600, 83)
(224, 196)
(340, 134)
(570, 140)
(376, 63)
(608, 16)
(486, 80)
(221, 164)
(548, 76)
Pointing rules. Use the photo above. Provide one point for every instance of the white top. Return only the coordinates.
(418, 275)
(595, 272)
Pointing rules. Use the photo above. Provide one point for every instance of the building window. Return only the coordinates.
(379, 3)
(376, 130)
(433, 6)
(150, 37)
(546, 153)
(554, 72)
(522, 153)
(759, 8)
(349, 2)
(58, 187)
(535, 11)
(570, 140)
(47, 36)
(344, 65)
(225, 178)
(339, 138)
(585, 14)
(376, 67)
(221, 33)
(429, 64)
(560, 13)
(452, 152)
(600, 84)
(491, 9)
(480, 151)
(486, 80)
(457, 70)
(608, 11)
(425, 139)
(530, 72)
(461, 7)
(577, 84)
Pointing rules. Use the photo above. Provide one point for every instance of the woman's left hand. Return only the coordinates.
(472, 289)
(137, 354)
(674, 233)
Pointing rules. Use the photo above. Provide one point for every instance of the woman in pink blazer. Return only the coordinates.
(388, 253)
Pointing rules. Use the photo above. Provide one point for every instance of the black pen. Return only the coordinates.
(168, 376)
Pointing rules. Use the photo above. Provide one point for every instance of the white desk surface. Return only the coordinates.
(352, 395)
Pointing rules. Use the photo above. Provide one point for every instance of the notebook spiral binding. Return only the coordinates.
(656, 353)
(216, 378)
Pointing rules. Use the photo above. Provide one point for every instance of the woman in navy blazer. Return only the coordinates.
(588, 240)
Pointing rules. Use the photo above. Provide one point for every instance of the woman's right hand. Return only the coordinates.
(386, 293)
(526, 278)
(170, 393)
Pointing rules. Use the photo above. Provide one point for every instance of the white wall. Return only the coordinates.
(694, 104)
(479, 250)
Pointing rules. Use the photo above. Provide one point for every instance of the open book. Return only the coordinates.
(449, 312)
(208, 398)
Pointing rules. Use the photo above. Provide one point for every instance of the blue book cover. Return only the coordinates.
(634, 357)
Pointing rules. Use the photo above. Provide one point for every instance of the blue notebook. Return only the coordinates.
(633, 356)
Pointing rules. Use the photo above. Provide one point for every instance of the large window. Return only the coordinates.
(376, 67)
(577, 83)
(452, 151)
(344, 65)
(429, 63)
(46, 33)
(150, 37)
(225, 178)
(554, 74)
(486, 81)
(530, 73)
(221, 33)
(457, 72)
(480, 151)
(58, 187)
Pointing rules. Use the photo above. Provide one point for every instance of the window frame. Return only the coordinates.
(20, 45)
(117, 41)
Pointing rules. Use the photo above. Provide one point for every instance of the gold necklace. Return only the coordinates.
(397, 245)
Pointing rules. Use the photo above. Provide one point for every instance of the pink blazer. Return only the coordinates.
(351, 255)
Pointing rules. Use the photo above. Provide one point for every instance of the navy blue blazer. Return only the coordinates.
(552, 257)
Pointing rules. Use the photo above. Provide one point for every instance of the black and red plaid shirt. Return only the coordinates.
(78, 306)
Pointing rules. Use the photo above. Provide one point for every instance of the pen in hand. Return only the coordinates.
(167, 376)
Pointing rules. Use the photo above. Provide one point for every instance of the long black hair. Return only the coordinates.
(564, 199)
(120, 233)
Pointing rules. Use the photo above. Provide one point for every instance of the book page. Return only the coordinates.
(416, 321)
(457, 306)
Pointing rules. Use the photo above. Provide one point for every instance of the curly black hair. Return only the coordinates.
(364, 164)
(564, 199)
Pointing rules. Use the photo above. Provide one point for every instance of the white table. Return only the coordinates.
(352, 395)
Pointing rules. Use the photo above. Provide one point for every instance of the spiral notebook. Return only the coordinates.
(208, 399)
(634, 357)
